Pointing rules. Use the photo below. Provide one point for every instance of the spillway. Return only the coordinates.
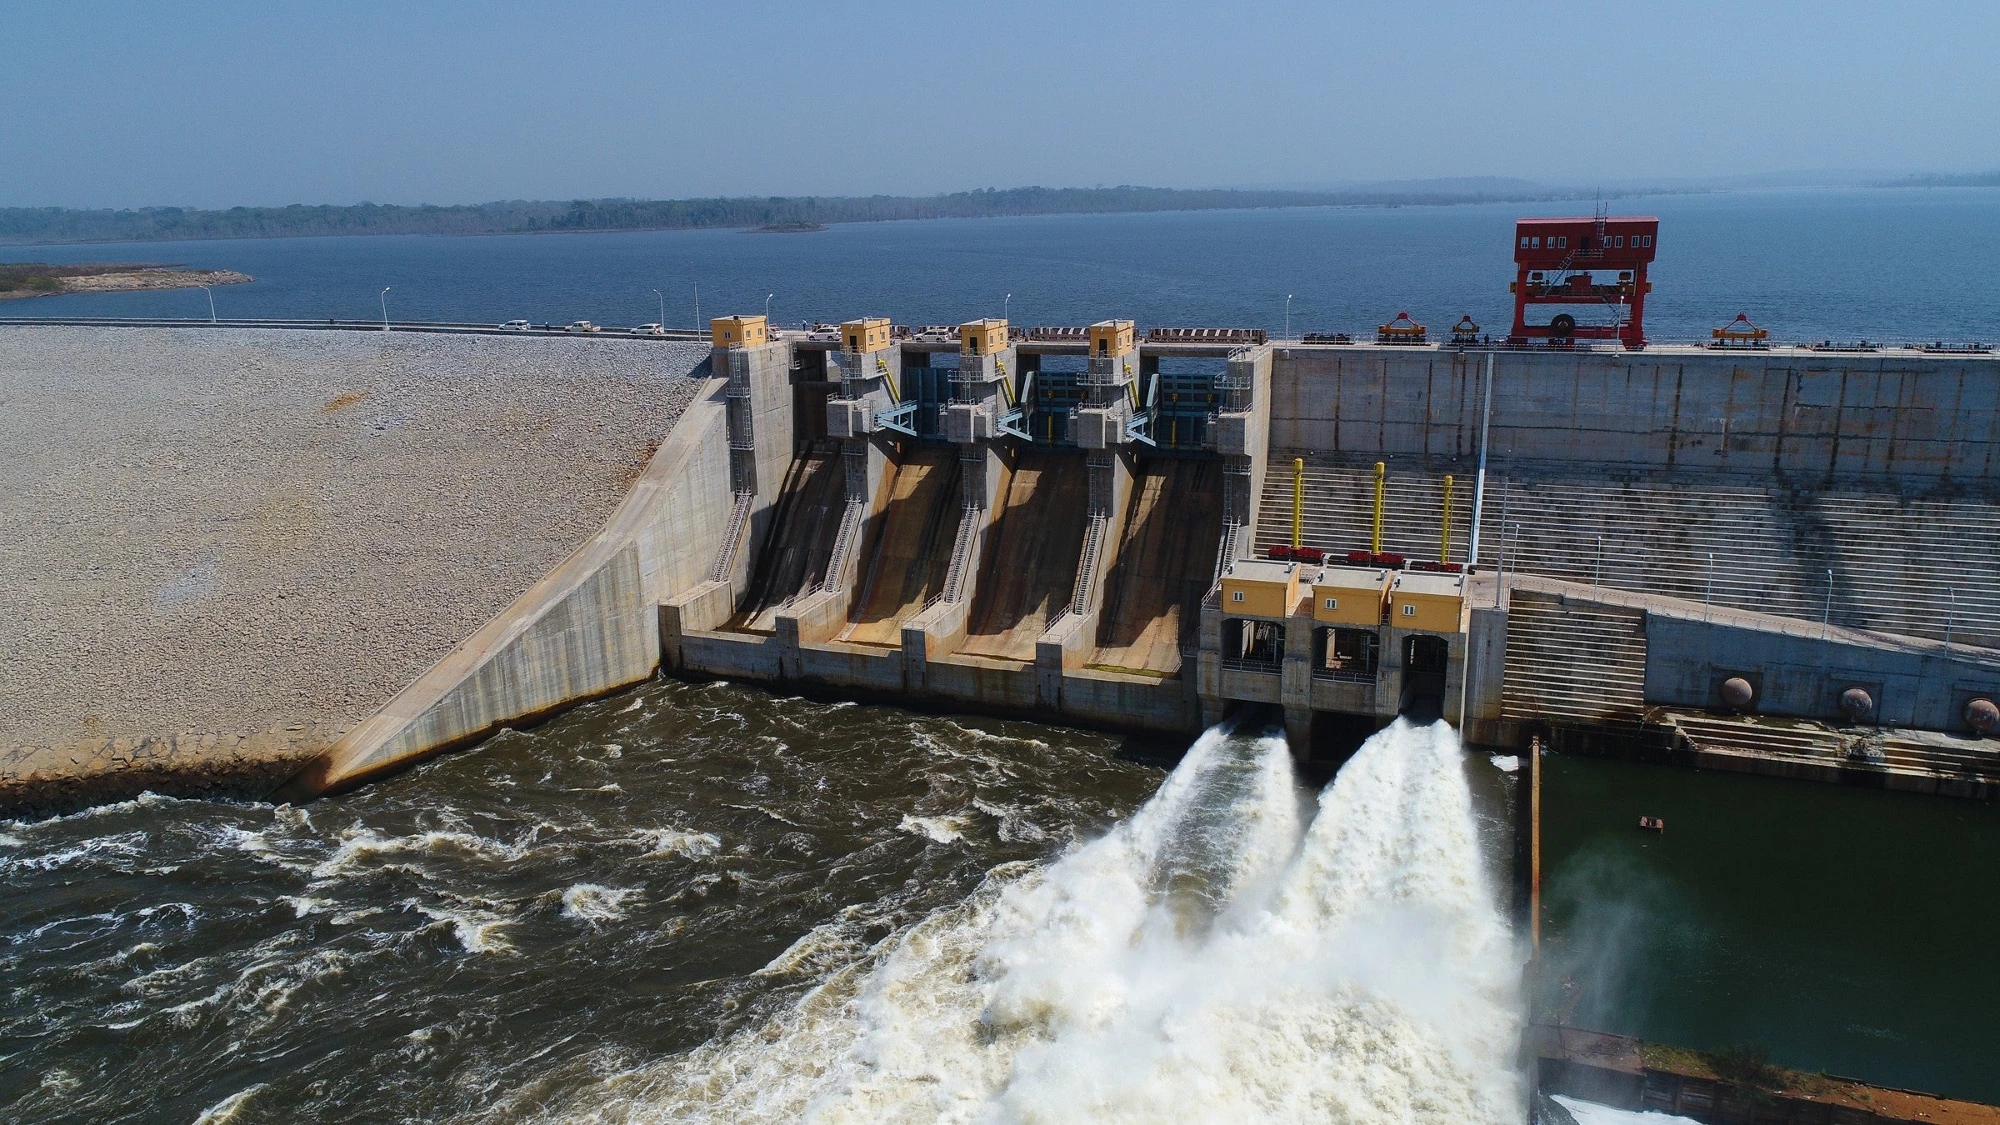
(912, 546)
(1215, 957)
(1029, 566)
(1166, 559)
(800, 541)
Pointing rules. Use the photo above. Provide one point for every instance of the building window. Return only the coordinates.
(1409, 610)
(1333, 603)
(1618, 241)
(1524, 242)
(1648, 238)
(1235, 595)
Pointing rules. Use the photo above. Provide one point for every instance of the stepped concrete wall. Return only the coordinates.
(1787, 411)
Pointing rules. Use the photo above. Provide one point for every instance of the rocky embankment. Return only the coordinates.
(228, 546)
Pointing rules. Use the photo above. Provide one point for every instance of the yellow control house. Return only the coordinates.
(982, 337)
(1112, 338)
(866, 335)
(1260, 588)
(1350, 596)
(1427, 600)
(738, 332)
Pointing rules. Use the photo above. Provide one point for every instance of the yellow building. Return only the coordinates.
(866, 335)
(1260, 588)
(1350, 596)
(1111, 338)
(738, 331)
(982, 337)
(1427, 600)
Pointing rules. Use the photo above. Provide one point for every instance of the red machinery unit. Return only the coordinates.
(1554, 260)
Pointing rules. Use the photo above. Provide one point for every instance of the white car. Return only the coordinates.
(514, 326)
(650, 330)
(584, 326)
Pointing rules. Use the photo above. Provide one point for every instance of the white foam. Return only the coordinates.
(660, 842)
(226, 1110)
(361, 847)
(595, 903)
(1211, 958)
(937, 829)
(1590, 1113)
(1505, 763)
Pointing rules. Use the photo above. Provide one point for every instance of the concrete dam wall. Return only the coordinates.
(1024, 533)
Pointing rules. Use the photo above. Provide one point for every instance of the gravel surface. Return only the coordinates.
(225, 531)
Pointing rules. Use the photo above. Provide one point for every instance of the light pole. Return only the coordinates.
(663, 307)
(697, 306)
(1953, 595)
(211, 303)
(1826, 616)
(1007, 307)
(385, 308)
(767, 307)
(1288, 316)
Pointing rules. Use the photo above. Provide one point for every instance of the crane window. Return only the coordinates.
(1535, 243)
(1618, 241)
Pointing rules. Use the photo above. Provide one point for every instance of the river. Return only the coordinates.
(703, 900)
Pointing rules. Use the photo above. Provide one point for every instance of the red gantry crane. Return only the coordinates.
(1555, 260)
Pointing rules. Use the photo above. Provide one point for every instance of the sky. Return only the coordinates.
(122, 104)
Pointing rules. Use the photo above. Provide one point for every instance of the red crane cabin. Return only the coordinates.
(1554, 260)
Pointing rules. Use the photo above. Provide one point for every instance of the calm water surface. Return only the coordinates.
(1896, 264)
(1844, 930)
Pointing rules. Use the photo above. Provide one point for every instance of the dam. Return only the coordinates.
(1734, 553)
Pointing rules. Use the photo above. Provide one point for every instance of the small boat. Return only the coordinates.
(1653, 823)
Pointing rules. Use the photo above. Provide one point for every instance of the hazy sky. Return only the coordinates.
(215, 104)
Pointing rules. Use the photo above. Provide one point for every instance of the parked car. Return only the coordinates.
(650, 330)
(584, 326)
(514, 326)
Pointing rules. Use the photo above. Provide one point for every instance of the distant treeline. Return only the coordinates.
(155, 224)
(1973, 179)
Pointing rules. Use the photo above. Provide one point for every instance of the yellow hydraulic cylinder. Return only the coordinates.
(1381, 487)
(1444, 533)
(1298, 502)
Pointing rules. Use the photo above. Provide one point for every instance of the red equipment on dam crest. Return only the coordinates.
(1554, 260)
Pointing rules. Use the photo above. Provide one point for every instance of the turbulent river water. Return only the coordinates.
(701, 902)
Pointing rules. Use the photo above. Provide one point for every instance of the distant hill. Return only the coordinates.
(154, 224)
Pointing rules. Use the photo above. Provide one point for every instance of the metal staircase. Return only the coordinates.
(732, 536)
(1086, 571)
(961, 554)
(851, 518)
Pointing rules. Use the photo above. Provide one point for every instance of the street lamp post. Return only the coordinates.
(1288, 316)
(1007, 307)
(211, 303)
(767, 307)
(697, 306)
(385, 308)
(663, 307)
